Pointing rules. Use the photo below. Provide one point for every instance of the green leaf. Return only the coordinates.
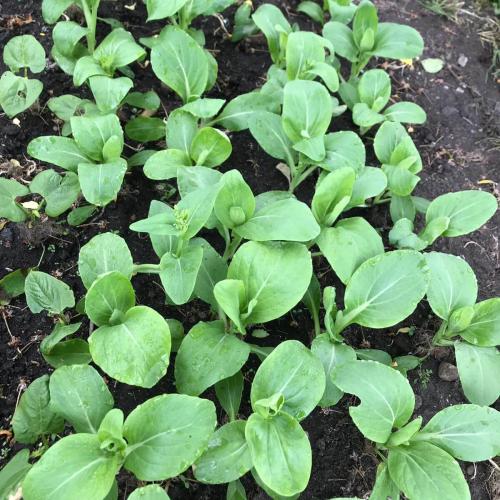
(143, 100)
(235, 489)
(406, 112)
(166, 434)
(479, 371)
(303, 50)
(158, 9)
(422, 470)
(267, 130)
(145, 129)
(76, 463)
(452, 285)
(108, 298)
(79, 215)
(79, 394)
(332, 194)
(271, 21)
(10, 190)
(293, 372)
(384, 486)
(150, 492)
(92, 132)
(65, 106)
(280, 452)
(104, 253)
(383, 392)
(178, 273)
(227, 457)
(229, 392)
(85, 68)
(364, 117)
(204, 108)
(60, 151)
(241, 110)
(275, 276)
(331, 354)
(210, 147)
(44, 292)
(181, 129)
(58, 353)
(374, 89)
(135, 351)
(365, 19)
(385, 289)
(342, 39)
(311, 9)
(307, 112)
(17, 94)
(101, 183)
(180, 63)
(432, 65)
(208, 355)
(24, 51)
(109, 92)
(117, 50)
(67, 49)
(13, 473)
(467, 432)
(12, 285)
(286, 220)
(60, 192)
(52, 10)
(484, 328)
(35, 416)
(397, 41)
(369, 182)
(467, 211)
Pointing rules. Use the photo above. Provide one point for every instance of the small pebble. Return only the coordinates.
(463, 60)
(448, 372)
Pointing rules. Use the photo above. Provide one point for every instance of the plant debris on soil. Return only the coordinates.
(459, 145)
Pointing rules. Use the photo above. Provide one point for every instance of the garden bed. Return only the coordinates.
(458, 152)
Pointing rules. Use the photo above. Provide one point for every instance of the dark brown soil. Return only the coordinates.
(456, 144)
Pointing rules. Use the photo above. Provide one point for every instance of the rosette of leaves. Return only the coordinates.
(471, 328)
(271, 443)
(183, 12)
(19, 93)
(158, 440)
(368, 97)
(417, 461)
(369, 38)
(93, 154)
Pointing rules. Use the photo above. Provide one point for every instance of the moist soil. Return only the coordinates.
(457, 145)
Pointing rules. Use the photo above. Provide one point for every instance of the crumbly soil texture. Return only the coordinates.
(457, 145)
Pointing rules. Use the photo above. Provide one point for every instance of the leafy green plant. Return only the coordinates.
(471, 328)
(244, 25)
(19, 93)
(418, 461)
(13, 473)
(369, 38)
(149, 442)
(369, 96)
(341, 11)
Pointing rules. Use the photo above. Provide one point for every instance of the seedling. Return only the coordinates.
(341, 11)
(19, 93)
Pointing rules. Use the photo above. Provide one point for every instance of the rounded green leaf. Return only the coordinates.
(406, 112)
(467, 432)
(35, 416)
(397, 41)
(24, 51)
(210, 147)
(386, 289)
(227, 457)
(275, 275)
(60, 151)
(293, 372)
(110, 296)
(387, 399)
(280, 451)
(150, 492)
(79, 394)
(163, 165)
(145, 129)
(44, 292)
(452, 283)
(75, 467)
(467, 211)
(166, 434)
(207, 355)
(10, 189)
(422, 470)
(159, 9)
(344, 149)
(342, 39)
(374, 89)
(104, 253)
(484, 329)
(136, 351)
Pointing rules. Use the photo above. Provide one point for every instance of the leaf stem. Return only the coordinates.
(146, 268)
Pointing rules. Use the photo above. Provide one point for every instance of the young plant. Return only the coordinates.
(450, 215)
(419, 462)
(104, 442)
(340, 10)
(93, 154)
(19, 93)
(271, 443)
(244, 25)
(472, 328)
(368, 96)
(369, 38)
